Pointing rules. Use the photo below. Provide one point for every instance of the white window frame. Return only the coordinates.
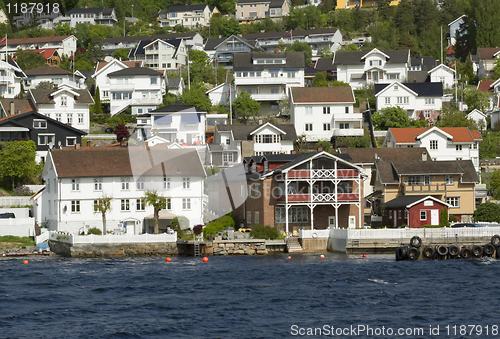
(39, 123)
(97, 184)
(125, 184)
(140, 205)
(186, 183)
(424, 214)
(75, 206)
(448, 180)
(140, 184)
(453, 201)
(186, 204)
(125, 205)
(75, 184)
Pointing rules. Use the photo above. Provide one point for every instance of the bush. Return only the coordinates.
(218, 225)
(95, 230)
(488, 212)
(452, 218)
(444, 221)
(22, 191)
(264, 232)
(431, 226)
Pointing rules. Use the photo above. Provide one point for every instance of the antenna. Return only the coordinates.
(51, 145)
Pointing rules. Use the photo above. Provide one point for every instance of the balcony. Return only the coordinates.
(424, 188)
(322, 174)
(352, 132)
(319, 198)
(267, 96)
(233, 50)
(129, 86)
(150, 101)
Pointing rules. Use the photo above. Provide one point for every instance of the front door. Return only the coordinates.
(331, 222)
(375, 76)
(352, 222)
(434, 217)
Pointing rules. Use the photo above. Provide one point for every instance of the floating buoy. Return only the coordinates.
(364, 255)
(322, 256)
(25, 262)
(168, 259)
(289, 257)
(205, 259)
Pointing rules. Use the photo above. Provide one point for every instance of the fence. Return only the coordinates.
(309, 234)
(113, 239)
(19, 227)
(15, 201)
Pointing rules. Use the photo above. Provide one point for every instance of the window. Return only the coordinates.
(75, 184)
(309, 110)
(64, 100)
(256, 217)
(140, 184)
(291, 74)
(434, 144)
(140, 206)
(403, 100)
(347, 110)
(125, 205)
(396, 87)
(185, 183)
(154, 80)
(429, 101)
(344, 125)
(37, 123)
(105, 94)
(125, 183)
(227, 157)
(80, 118)
(458, 147)
(326, 110)
(427, 114)
(418, 180)
(453, 201)
(267, 138)
(423, 215)
(275, 90)
(69, 118)
(70, 141)
(186, 203)
(298, 214)
(309, 127)
(393, 76)
(326, 127)
(448, 179)
(274, 74)
(75, 206)
(166, 183)
(279, 215)
(97, 184)
(58, 117)
(249, 217)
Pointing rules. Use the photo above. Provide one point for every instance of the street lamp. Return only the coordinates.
(132, 11)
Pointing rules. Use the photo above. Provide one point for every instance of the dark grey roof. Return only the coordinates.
(90, 10)
(36, 115)
(427, 63)
(295, 33)
(418, 76)
(139, 50)
(403, 201)
(187, 8)
(18, 74)
(48, 70)
(135, 71)
(423, 89)
(212, 43)
(354, 58)
(243, 61)
(177, 108)
(367, 155)
(242, 132)
(325, 64)
(470, 174)
(309, 71)
(44, 96)
(149, 37)
(173, 82)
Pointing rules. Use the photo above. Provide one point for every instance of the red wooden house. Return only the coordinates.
(413, 210)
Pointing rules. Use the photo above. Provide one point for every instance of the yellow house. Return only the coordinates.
(347, 4)
(451, 181)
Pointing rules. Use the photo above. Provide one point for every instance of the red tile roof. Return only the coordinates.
(460, 134)
(450, 50)
(47, 52)
(101, 65)
(16, 42)
(485, 86)
(476, 135)
(323, 94)
(407, 135)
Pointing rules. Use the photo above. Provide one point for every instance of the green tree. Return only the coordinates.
(158, 202)
(451, 117)
(476, 99)
(97, 100)
(485, 16)
(325, 145)
(245, 106)
(326, 53)
(495, 184)
(299, 46)
(63, 29)
(45, 85)
(349, 48)
(103, 206)
(443, 218)
(321, 79)
(196, 97)
(394, 117)
(29, 59)
(121, 54)
(488, 211)
(224, 26)
(17, 162)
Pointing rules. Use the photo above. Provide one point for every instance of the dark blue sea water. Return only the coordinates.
(248, 297)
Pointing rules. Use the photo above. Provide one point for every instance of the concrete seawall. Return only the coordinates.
(237, 247)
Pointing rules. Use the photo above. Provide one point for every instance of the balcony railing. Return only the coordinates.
(319, 198)
(351, 132)
(424, 188)
(322, 174)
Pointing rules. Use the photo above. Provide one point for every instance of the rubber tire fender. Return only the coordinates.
(429, 252)
(415, 241)
(498, 253)
(442, 250)
(465, 253)
(400, 253)
(495, 240)
(477, 251)
(453, 250)
(489, 249)
(413, 253)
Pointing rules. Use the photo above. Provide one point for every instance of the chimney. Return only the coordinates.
(293, 152)
(12, 110)
(25, 37)
(52, 36)
(89, 143)
(86, 6)
(320, 149)
(424, 156)
(77, 146)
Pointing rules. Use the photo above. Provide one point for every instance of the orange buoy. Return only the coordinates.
(168, 260)
(364, 255)
(25, 262)
(322, 256)
(205, 259)
(289, 257)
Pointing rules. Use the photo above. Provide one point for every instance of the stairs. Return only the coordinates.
(293, 245)
(196, 245)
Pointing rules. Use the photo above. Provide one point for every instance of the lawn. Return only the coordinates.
(11, 242)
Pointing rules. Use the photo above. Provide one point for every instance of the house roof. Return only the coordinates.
(134, 71)
(112, 162)
(282, 34)
(367, 155)
(485, 86)
(304, 156)
(46, 52)
(37, 115)
(212, 43)
(48, 70)
(101, 64)
(243, 132)
(410, 135)
(353, 58)
(475, 133)
(243, 61)
(149, 37)
(487, 53)
(310, 72)
(418, 76)
(23, 105)
(105, 11)
(139, 50)
(322, 94)
(173, 82)
(423, 89)
(187, 8)
(177, 108)
(426, 62)
(404, 200)
(22, 41)
(325, 64)
(44, 96)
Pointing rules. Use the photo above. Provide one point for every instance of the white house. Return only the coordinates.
(321, 113)
(479, 117)
(161, 54)
(444, 75)
(361, 68)
(250, 10)
(64, 104)
(92, 16)
(141, 88)
(175, 86)
(221, 50)
(65, 45)
(455, 30)
(442, 143)
(190, 16)
(11, 76)
(486, 58)
(267, 77)
(220, 95)
(54, 75)
(180, 123)
(124, 174)
(492, 87)
(420, 100)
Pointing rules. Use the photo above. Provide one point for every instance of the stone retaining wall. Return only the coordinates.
(112, 250)
(237, 247)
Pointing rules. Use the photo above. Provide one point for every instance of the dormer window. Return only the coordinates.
(64, 100)
(254, 167)
(39, 123)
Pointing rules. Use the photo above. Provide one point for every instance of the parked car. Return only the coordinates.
(244, 230)
(7, 215)
(466, 224)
